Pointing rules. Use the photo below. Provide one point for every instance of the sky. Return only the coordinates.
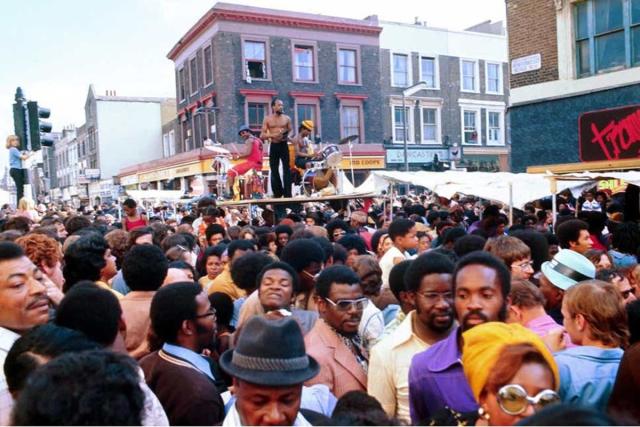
(54, 49)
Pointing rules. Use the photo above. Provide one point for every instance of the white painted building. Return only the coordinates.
(466, 76)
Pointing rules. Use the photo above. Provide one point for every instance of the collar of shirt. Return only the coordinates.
(541, 322)
(190, 356)
(404, 331)
(233, 419)
(445, 353)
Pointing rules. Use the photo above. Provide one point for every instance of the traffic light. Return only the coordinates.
(21, 119)
(38, 129)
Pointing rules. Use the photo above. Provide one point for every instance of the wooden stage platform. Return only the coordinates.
(296, 200)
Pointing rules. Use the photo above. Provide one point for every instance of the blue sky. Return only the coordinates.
(54, 49)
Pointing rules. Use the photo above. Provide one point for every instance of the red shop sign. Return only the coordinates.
(610, 134)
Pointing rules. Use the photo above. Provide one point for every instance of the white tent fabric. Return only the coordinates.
(508, 188)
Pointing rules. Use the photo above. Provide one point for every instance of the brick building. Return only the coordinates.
(236, 59)
(575, 82)
(467, 81)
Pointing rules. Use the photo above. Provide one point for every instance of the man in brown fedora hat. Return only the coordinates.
(269, 365)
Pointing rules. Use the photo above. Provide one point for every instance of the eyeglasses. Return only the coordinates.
(514, 400)
(524, 266)
(434, 297)
(346, 304)
(339, 233)
(208, 313)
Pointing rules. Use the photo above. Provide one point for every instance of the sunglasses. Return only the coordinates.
(346, 304)
(208, 313)
(514, 400)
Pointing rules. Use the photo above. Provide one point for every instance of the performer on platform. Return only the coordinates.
(275, 129)
(303, 145)
(252, 152)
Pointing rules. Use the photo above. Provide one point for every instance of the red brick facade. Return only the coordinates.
(531, 26)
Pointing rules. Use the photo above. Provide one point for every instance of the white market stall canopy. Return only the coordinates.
(156, 195)
(513, 189)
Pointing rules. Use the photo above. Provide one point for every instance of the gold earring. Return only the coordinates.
(483, 413)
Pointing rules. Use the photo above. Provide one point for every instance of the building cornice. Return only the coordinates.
(272, 19)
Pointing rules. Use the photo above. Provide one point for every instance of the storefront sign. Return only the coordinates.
(363, 162)
(416, 156)
(612, 186)
(610, 134)
(526, 63)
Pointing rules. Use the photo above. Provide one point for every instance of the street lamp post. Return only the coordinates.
(408, 92)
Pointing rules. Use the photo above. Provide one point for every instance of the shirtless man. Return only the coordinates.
(302, 144)
(275, 129)
(252, 153)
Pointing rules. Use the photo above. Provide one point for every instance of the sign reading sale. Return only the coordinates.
(610, 134)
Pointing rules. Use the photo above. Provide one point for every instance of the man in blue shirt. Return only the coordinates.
(595, 319)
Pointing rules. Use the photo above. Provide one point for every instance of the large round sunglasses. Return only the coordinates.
(514, 400)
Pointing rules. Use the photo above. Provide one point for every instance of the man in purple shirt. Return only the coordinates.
(481, 284)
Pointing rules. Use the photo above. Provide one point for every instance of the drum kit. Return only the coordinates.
(321, 177)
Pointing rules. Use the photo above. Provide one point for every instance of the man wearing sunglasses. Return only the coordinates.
(334, 341)
(184, 322)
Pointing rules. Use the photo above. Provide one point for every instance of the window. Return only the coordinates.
(398, 124)
(255, 59)
(347, 66)
(181, 89)
(470, 125)
(494, 78)
(193, 71)
(494, 128)
(256, 112)
(400, 70)
(350, 121)
(607, 35)
(307, 112)
(430, 125)
(469, 74)
(303, 63)
(428, 71)
(208, 65)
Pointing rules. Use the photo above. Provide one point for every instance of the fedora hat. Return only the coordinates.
(568, 268)
(271, 353)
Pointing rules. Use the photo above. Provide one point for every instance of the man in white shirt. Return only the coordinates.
(23, 305)
(402, 233)
(428, 282)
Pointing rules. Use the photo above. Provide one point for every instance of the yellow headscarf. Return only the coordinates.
(483, 345)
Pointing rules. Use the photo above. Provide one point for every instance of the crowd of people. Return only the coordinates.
(425, 311)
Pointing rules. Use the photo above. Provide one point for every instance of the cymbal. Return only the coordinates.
(217, 149)
(348, 139)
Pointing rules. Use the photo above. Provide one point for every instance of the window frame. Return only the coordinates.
(476, 76)
(193, 60)
(500, 78)
(409, 69)
(355, 48)
(181, 88)
(501, 141)
(478, 112)
(256, 99)
(204, 65)
(410, 105)
(317, 122)
(438, 140)
(267, 55)
(314, 48)
(436, 69)
(591, 38)
(360, 105)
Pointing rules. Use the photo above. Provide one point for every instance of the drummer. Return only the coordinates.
(303, 145)
(252, 153)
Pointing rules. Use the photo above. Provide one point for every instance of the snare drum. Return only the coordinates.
(331, 155)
